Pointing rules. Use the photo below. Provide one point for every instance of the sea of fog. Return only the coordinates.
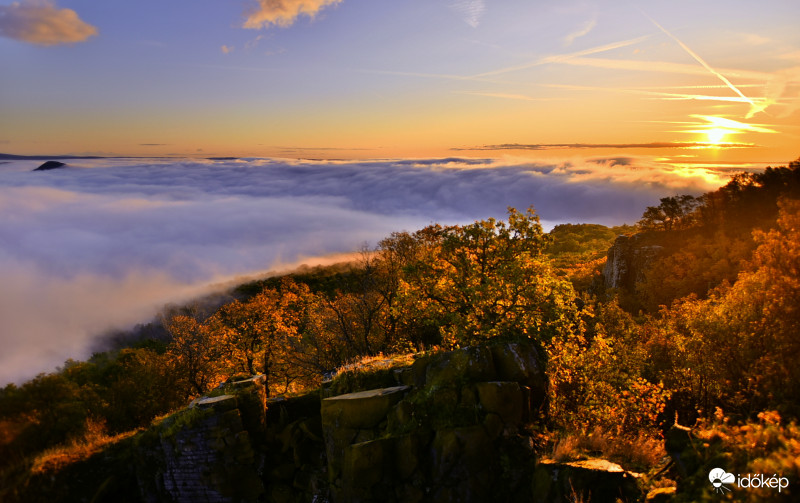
(104, 243)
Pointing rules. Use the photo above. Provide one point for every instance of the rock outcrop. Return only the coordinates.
(627, 261)
(450, 427)
(50, 165)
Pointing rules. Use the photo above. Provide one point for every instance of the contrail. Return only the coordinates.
(558, 58)
(753, 107)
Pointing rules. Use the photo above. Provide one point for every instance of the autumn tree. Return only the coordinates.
(402, 261)
(487, 279)
(195, 351)
(598, 377)
(257, 332)
(739, 348)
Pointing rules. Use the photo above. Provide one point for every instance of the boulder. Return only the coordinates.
(366, 463)
(351, 418)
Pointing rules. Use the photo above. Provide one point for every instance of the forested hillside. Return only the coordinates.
(709, 337)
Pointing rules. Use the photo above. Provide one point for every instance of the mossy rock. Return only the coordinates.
(219, 403)
(502, 398)
(519, 362)
(461, 452)
(465, 365)
(284, 410)
(361, 379)
(462, 464)
(360, 410)
(407, 454)
(367, 463)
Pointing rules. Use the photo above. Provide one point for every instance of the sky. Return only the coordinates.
(679, 81)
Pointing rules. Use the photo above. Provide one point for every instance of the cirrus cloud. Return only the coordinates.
(41, 22)
(283, 12)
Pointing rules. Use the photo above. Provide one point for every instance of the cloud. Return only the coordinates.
(755, 39)
(554, 146)
(40, 22)
(661, 94)
(582, 31)
(283, 12)
(563, 58)
(46, 320)
(754, 108)
(103, 242)
(471, 11)
(733, 125)
(659, 66)
(509, 96)
(226, 49)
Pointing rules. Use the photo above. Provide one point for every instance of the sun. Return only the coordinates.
(716, 135)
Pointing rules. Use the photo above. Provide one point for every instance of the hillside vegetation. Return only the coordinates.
(707, 338)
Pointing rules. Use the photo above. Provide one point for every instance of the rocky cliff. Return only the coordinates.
(627, 261)
(451, 427)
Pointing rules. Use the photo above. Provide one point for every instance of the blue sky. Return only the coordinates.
(375, 78)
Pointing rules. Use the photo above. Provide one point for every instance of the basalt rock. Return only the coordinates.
(628, 259)
(452, 427)
(50, 165)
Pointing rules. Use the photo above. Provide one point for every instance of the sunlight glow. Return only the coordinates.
(716, 135)
(733, 125)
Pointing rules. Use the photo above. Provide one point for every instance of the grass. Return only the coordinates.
(377, 362)
(93, 441)
(640, 453)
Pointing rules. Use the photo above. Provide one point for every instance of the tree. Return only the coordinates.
(195, 352)
(257, 333)
(739, 348)
(673, 213)
(138, 385)
(487, 279)
(598, 376)
(53, 410)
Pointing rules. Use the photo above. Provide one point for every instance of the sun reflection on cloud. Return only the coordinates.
(709, 176)
(716, 130)
(716, 135)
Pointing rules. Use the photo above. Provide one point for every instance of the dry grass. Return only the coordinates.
(93, 441)
(566, 449)
(642, 452)
(379, 361)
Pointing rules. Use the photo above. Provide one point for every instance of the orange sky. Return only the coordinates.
(352, 79)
